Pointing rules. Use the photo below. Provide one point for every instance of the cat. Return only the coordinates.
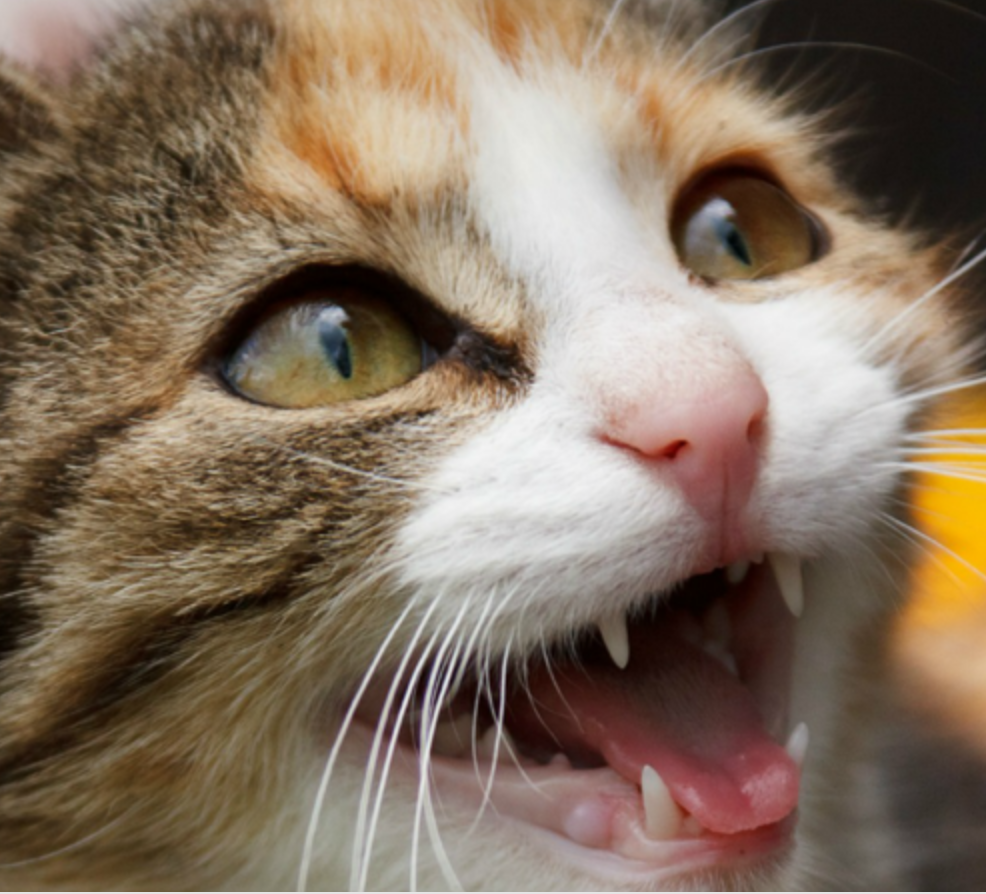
(451, 444)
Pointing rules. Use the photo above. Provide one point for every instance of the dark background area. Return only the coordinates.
(910, 76)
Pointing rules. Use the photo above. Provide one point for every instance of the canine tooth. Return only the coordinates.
(797, 744)
(617, 638)
(452, 736)
(787, 572)
(737, 572)
(487, 748)
(662, 817)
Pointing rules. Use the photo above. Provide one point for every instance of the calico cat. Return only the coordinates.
(449, 444)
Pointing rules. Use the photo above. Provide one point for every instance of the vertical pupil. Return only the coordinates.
(335, 343)
(731, 237)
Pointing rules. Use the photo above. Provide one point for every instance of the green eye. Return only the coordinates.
(331, 346)
(740, 226)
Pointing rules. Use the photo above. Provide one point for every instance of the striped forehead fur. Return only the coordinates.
(394, 117)
(410, 73)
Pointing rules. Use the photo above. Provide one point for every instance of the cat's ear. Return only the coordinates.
(42, 42)
(52, 38)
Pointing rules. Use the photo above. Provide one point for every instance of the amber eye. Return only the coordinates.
(330, 346)
(736, 225)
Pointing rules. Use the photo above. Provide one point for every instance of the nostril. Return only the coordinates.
(673, 449)
(755, 430)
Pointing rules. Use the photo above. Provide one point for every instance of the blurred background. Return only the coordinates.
(910, 78)
(911, 75)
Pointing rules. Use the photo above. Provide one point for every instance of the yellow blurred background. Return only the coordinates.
(940, 641)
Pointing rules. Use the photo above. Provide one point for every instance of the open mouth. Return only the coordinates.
(661, 738)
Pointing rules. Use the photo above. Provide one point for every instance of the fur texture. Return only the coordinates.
(195, 587)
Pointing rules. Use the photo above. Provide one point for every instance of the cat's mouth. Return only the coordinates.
(655, 738)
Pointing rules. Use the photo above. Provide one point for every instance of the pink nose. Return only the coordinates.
(707, 436)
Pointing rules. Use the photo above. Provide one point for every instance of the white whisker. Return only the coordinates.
(899, 319)
(820, 44)
(946, 434)
(426, 801)
(604, 32)
(936, 546)
(957, 472)
(74, 846)
(347, 469)
(756, 7)
(499, 712)
(431, 703)
(323, 786)
(949, 449)
(363, 840)
(924, 395)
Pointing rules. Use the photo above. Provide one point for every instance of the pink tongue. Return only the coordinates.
(680, 711)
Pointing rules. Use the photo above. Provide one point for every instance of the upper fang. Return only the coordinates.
(787, 573)
(616, 638)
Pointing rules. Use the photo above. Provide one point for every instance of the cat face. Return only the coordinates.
(453, 445)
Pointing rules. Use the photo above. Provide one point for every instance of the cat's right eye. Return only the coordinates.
(330, 346)
(737, 225)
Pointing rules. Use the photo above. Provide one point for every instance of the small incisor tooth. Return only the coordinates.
(616, 636)
(797, 744)
(737, 572)
(790, 581)
(662, 817)
(494, 745)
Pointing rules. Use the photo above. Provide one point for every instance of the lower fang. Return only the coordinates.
(662, 817)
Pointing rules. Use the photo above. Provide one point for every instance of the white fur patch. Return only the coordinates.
(539, 514)
(538, 527)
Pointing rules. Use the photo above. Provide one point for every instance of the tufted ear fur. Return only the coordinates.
(55, 37)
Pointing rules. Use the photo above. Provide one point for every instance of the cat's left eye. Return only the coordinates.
(330, 346)
(735, 225)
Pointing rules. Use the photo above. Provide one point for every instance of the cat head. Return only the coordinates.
(405, 416)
